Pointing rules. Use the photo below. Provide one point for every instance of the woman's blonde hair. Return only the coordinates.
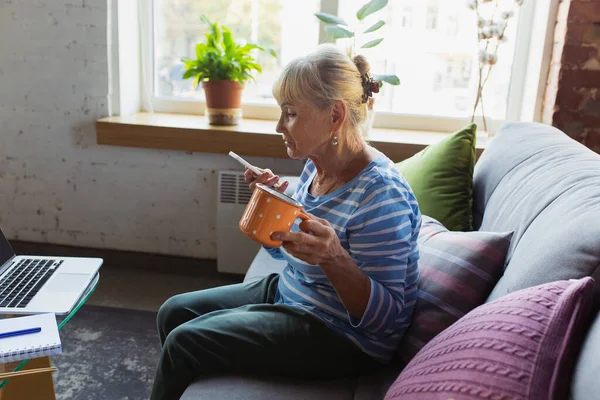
(323, 77)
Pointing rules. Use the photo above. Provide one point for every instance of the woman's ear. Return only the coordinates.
(339, 112)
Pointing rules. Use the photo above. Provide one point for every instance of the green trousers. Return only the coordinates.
(238, 329)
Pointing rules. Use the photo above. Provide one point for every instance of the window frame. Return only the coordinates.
(535, 24)
(431, 19)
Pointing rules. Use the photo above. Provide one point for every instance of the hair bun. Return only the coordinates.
(361, 64)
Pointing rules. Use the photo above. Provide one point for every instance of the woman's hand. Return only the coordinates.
(317, 244)
(266, 178)
(322, 247)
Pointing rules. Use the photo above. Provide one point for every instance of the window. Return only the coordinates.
(454, 72)
(431, 46)
(406, 17)
(432, 17)
(453, 28)
(288, 27)
(429, 62)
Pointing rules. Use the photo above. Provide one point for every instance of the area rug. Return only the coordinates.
(108, 353)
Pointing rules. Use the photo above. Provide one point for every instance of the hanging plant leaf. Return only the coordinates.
(371, 7)
(337, 32)
(376, 26)
(391, 79)
(331, 19)
(372, 43)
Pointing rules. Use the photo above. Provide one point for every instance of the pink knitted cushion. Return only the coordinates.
(520, 346)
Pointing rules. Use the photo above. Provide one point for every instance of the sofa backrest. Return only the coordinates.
(536, 181)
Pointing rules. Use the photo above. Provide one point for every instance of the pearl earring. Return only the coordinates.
(334, 142)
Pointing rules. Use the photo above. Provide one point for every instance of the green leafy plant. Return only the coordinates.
(337, 28)
(221, 58)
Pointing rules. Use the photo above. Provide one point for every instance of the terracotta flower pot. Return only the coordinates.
(223, 102)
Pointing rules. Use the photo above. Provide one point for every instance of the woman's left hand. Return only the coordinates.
(321, 246)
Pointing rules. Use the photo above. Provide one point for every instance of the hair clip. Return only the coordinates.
(370, 86)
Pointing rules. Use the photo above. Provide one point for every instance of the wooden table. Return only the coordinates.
(37, 386)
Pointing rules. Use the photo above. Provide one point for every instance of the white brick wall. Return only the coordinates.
(56, 184)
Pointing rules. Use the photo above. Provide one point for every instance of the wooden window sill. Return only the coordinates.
(251, 137)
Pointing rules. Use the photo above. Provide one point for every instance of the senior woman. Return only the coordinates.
(345, 298)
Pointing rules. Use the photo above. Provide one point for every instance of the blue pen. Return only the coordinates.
(20, 333)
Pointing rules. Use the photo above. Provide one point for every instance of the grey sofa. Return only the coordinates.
(532, 179)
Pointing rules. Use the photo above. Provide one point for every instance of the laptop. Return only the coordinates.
(35, 284)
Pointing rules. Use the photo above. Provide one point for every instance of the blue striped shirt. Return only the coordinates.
(377, 220)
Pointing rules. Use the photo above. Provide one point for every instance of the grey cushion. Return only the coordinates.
(368, 387)
(538, 182)
(268, 388)
(375, 385)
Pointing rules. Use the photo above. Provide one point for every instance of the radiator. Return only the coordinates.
(235, 251)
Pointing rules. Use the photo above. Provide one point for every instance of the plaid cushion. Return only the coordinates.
(458, 271)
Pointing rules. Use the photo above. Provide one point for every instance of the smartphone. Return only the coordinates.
(245, 163)
(257, 171)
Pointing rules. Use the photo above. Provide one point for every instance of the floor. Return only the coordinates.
(138, 289)
(138, 281)
(108, 353)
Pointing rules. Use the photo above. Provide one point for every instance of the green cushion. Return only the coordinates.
(441, 176)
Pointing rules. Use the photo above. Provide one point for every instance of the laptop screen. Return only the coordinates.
(6, 252)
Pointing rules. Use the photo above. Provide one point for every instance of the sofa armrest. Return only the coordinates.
(293, 183)
(263, 265)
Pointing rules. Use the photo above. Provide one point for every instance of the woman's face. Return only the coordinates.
(306, 130)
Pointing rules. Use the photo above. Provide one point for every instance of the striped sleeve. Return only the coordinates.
(274, 252)
(381, 240)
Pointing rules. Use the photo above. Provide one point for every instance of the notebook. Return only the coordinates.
(33, 345)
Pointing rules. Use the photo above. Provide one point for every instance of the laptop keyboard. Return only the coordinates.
(23, 282)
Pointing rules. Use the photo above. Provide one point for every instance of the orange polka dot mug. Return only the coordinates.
(269, 211)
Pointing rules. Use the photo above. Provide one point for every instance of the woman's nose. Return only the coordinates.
(279, 126)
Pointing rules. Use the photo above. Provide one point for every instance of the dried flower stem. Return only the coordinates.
(479, 86)
(478, 94)
(484, 74)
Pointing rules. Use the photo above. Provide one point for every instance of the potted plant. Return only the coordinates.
(223, 66)
(337, 28)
